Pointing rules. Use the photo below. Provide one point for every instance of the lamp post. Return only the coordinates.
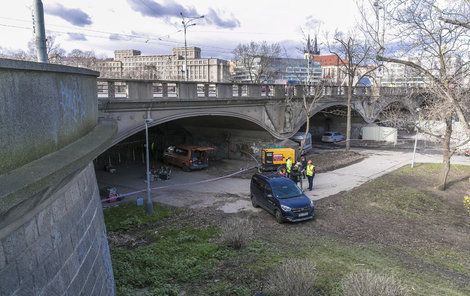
(149, 203)
(40, 31)
(380, 35)
(187, 22)
(416, 139)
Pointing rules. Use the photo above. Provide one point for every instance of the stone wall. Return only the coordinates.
(44, 107)
(61, 249)
(52, 234)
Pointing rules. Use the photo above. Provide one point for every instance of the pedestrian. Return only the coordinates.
(288, 166)
(303, 160)
(282, 171)
(295, 173)
(310, 172)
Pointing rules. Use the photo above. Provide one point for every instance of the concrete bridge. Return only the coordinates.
(272, 107)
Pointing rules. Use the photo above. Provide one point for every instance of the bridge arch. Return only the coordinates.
(128, 129)
(324, 106)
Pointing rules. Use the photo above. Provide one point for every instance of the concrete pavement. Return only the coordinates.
(378, 163)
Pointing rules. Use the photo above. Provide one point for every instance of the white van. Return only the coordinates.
(299, 137)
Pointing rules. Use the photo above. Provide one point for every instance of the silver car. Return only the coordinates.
(331, 137)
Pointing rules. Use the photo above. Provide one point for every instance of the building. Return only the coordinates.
(399, 75)
(274, 70)
(132, 64)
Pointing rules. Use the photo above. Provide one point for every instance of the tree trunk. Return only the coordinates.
(348, 119)
(446, 155)
(307, 128)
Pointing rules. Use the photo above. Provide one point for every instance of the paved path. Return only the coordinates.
(378, 163)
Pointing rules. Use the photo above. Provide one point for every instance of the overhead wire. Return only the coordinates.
(145, 39)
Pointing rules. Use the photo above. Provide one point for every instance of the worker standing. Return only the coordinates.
(310, 172)
(288, 166)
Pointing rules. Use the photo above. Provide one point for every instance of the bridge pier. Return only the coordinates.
(52, 234)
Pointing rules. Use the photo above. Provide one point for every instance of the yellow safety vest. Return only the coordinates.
(310, 169)
(289, 165)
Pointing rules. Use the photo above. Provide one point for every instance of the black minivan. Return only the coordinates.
(281, 197)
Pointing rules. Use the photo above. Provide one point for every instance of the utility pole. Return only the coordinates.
(40, 31)
(149, 203)
(187, 23)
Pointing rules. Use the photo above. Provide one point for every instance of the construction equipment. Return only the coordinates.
(273, 158)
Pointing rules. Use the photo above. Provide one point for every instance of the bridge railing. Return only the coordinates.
(189, 90)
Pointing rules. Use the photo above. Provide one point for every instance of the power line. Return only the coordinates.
(165, 43)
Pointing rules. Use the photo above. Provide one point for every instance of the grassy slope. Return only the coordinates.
(397, 224)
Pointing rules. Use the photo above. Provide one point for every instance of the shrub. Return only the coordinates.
(368, 283)
(295, 277)
(236, 233)
(466, 203)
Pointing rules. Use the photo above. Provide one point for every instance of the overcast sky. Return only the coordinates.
(154, 26)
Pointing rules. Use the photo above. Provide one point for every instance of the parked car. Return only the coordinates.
(281, 197)
(331, 137)
(299, 137)
(187, 157)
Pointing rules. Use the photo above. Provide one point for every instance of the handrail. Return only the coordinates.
(150, 89)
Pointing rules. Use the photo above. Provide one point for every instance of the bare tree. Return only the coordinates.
(356, 60)
(55, 52)
(79, 58)
(440, 47)
(256, 59)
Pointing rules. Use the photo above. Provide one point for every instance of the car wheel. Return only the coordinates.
(185, 168)
(253, 201)
(279, 217)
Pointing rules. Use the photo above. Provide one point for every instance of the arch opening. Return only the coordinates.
(333, 118)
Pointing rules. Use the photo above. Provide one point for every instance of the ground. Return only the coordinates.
(396, 224)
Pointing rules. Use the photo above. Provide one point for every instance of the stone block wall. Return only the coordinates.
(62, 247)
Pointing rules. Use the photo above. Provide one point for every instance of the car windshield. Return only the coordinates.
(286, 191)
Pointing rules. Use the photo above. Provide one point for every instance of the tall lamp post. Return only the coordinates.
(187, 22)
(380, 35)
(149, 203)
(416, 138)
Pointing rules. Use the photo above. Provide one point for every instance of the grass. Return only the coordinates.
(398, 225)
(127, 216)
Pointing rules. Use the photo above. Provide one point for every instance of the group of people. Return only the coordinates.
(304, 169)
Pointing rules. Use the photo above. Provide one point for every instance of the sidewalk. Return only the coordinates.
(378, 163)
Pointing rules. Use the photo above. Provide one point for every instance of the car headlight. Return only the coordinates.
(311, 204)
(285, 208)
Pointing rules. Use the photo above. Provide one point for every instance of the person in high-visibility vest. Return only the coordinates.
(288, 166)
(310, 172)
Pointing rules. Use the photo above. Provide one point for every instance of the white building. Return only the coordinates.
(131, 64)
(277, 69)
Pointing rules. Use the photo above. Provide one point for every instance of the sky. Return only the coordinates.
(154, 26)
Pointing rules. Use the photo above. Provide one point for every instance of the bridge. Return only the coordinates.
(273, 107)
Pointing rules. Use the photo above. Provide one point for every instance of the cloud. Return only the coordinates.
(119, 37)
(76, 36)
(154, 9)
(213, 18)
(172, 9)
(74, 16)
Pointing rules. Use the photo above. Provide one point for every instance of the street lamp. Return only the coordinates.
(149, 203)
(416, 138)
(187, 23)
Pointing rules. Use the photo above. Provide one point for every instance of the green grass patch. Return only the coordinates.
(128, 216)
(178, 256)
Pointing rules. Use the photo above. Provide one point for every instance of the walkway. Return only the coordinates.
(378, 163)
